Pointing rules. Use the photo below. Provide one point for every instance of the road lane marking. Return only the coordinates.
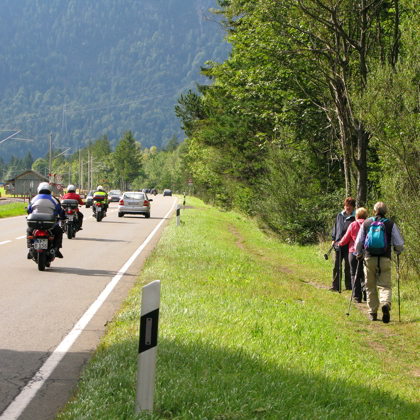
(21, 237)
(18, 405)
(5, 242)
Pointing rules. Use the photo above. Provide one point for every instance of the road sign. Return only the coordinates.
(190, 181)
(59, 187)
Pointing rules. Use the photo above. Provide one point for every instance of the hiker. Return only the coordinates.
(342, 222)
(375, 238)
(350, 239)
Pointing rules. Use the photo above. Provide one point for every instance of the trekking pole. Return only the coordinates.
(352, 289)
(398, 282)
(329, 252)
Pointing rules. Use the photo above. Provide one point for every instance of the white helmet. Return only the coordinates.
(44, 188)
(71, 188)
(100, 188)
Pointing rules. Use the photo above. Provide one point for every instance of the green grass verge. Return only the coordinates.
(13, 209)
(248, 330)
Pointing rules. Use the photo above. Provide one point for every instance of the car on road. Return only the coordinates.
(89, 199)
(167, 192)
(146, 190)
(114, 195)
(135, 202)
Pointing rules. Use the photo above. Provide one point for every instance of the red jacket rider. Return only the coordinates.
(72, 195)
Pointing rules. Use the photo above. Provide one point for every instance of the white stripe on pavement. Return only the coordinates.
(15, 409)
(21, 237)
(5, 242)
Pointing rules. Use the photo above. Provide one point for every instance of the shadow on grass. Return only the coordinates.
(199, 381)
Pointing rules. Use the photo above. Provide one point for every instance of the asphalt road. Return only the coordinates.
(39, 309)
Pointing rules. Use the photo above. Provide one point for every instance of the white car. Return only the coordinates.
(133, 202)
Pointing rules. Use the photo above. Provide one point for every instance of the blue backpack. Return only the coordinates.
(376, 241)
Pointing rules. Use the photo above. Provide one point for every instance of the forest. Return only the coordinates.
(81, 69)
(319, 100)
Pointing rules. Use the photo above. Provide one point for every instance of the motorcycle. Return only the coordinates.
(98, 208)
(71, 225)
(42, 248)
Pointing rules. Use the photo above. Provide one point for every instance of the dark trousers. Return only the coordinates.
(57, 233)
(356, 278)
(80, 215)
(336, 269)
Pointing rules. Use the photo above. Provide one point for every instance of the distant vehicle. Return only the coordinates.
(89, 199)
(167, 192)
(114, 195)
(146, 190)
(134, 203)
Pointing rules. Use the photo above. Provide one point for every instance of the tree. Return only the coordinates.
(127, 161)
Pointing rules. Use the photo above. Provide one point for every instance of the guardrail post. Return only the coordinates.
(178, 214)
(146, 359)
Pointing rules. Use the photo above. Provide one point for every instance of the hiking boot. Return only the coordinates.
(58, 254)
(357, 300)
(385, 314)
(333, 289)
(373, 316)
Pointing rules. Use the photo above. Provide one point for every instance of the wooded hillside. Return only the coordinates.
(80, 69)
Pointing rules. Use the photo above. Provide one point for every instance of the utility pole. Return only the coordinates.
(80, 169)
(70, 171)
(50, 157)
(89, 172)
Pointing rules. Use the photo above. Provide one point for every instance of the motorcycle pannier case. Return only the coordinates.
(99, 197)
(41, 221)
(69, 203)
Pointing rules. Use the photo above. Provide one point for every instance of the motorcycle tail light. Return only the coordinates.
(69, 212)
(98, 204)
(41, 233)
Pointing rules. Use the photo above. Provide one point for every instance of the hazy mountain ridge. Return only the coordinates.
(63, 60)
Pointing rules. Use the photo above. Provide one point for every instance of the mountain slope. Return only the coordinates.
(79, 69)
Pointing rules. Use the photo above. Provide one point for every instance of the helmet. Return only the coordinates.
(71, 188)
(44, 188)
(100, 188)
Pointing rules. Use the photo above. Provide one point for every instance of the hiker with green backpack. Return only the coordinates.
(375, 238)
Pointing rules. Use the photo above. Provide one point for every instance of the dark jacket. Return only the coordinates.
(341, 225)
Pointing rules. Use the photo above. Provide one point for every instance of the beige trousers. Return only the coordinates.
(383, 283)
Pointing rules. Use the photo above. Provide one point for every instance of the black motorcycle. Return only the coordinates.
(71, 224)
(42, 248)
(98, 208)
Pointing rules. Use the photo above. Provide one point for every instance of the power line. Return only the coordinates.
(142, 99)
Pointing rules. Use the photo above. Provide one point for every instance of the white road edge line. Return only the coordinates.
(21, 237)
(18, 405)
(5, 242)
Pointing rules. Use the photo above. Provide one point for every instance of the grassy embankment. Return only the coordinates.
(13, 209)
(248, 330)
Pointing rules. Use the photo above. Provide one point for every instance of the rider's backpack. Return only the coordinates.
(376, 241)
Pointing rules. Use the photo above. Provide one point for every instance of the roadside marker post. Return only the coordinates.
(178, 214)
(146, 359)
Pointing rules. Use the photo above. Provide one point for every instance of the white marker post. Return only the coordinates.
(146, 359)
(178, 214)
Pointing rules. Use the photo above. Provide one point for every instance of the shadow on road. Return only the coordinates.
(99, 240)
(85, 272)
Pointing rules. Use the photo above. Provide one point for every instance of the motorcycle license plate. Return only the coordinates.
(70, 217)
(99, 208)
(41, 243)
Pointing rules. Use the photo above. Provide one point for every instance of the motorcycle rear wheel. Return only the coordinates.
(41, 258)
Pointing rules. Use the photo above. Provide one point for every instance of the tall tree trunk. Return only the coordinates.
(361, 165)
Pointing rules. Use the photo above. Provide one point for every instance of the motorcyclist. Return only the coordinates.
(101, 192)
(44, 203)
(72, 195)
(153, 191)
